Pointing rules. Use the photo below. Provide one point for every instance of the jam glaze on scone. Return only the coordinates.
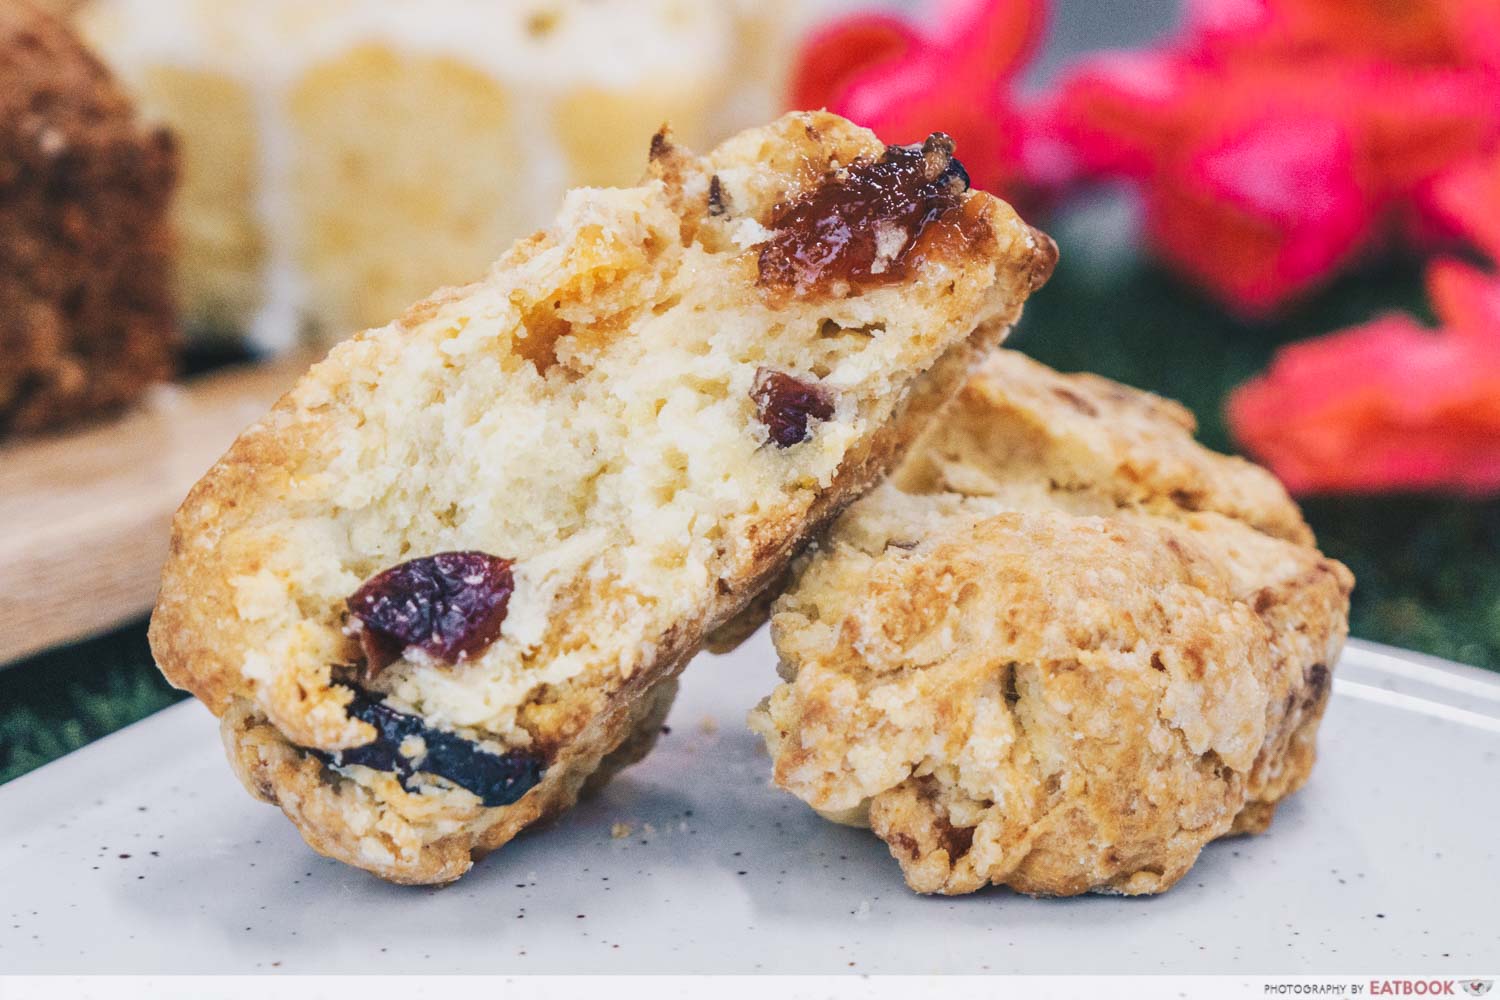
(1062, 649)
(449, 579)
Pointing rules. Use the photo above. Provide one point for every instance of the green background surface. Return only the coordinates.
(1428, 567)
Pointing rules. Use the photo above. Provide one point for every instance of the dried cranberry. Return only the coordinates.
(498, 779)
(450, 606)
(861, 225)
(786, 404)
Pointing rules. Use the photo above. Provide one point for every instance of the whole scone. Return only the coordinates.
(1061, 650)
(450, 577)
(87, 318)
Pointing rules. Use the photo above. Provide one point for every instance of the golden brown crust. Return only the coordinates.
(390, 448)
(276, 771)
(1093, 433)
(1026, 676)
(339, 826)
(87, 320)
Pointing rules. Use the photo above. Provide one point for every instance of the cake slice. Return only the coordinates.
(87, 318)
(450, 577)
(341, 158)
(1061, 650)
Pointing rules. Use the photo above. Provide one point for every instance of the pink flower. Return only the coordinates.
(1467, 201)
(1275, 140)
(1259, 212)
(1467, 301)
(904, 83)
(1393, 405)
(1387, 406)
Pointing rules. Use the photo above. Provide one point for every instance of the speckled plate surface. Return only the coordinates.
(142, 854)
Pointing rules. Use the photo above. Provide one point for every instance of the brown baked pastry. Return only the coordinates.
(86, 313)
(59, 8)
(1063, 649)
(450, 577)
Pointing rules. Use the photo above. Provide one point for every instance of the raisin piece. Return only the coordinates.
(716, 204)
(786, 404)
(862, 224)
(450, 606)
(498, 779)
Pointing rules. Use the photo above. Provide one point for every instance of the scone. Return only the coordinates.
(345, 157)
(1061, 650)
(458, 565)
(87, 319)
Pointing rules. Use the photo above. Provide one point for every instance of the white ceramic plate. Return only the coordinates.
(141, 853)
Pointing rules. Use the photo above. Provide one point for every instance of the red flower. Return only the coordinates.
(1260, 212)
(903, 83)
(1393, 405)
(1406, 30)
(1276, 139)
(1466, 300)
(1467, 201)
(1387, 406)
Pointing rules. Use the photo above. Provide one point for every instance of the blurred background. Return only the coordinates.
(1281, 212)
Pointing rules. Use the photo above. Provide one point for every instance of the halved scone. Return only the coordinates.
(1061, 650)
(458, 565)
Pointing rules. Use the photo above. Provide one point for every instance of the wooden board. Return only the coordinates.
(84, 516)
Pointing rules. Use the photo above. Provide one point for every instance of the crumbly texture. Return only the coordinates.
(1061, 650)
(586, 411)
(86, 314)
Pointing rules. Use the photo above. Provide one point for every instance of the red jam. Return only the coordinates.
(863, 224)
